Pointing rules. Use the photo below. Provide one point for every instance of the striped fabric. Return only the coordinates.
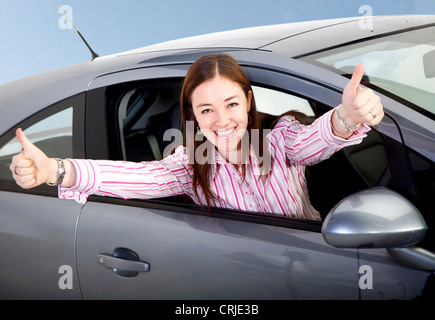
(283, 191)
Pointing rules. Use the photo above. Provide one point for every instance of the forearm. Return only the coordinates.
(70, 175)
(124, 179)
(307, 145)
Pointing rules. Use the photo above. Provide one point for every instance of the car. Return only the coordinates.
(376, 237)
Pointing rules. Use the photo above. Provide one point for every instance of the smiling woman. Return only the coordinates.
(223, 121)
(213, 80)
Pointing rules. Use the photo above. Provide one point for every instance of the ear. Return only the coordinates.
(250, 95)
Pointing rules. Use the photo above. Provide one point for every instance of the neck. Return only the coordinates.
(234, 157)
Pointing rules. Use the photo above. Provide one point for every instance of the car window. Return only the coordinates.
(424, 179)
(141, 113)
(145, 111)
(400, 64)
(52, 134)
(276, 102)
(149, 110)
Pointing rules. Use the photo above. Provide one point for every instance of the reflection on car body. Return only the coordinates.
(118, 107)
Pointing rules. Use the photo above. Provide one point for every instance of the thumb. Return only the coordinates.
(356, 78)
(24, 141)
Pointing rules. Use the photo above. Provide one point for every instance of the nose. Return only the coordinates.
(222, 118)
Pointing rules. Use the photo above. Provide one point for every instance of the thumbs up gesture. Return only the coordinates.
(360, 105)
(32, 167)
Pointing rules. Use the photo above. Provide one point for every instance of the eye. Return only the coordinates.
(233, 104)
(204, 111)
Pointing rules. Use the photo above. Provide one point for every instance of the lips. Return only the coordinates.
(225, 133)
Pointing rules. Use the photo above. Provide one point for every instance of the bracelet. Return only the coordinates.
(346, 127)
(60, 172)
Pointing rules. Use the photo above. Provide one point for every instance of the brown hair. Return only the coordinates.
(206, 68)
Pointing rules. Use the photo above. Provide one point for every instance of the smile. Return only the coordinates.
(225, 133)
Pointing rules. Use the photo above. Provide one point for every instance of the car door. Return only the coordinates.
(170, 249)
(37, 230)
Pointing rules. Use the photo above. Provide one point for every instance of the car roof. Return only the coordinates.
(299, 38)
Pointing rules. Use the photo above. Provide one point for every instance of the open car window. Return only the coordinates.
(146, 110)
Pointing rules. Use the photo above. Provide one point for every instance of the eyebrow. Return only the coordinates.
(209, 104)
(231, 98)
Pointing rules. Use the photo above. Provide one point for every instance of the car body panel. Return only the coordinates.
(200, 257)
(37, 236)
(351, 31)
(294, 39)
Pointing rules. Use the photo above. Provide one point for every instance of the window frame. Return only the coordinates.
(104, 104)
(317, 93)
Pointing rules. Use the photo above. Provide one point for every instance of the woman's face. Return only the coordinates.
(221, 108)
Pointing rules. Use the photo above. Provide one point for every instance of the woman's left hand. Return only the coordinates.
(360, 105)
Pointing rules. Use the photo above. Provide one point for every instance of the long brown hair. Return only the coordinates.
(206, 68)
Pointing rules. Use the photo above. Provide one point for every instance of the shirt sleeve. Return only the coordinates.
(311, 144)
(127, 180)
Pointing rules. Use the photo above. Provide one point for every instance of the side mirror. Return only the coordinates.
(374, 218)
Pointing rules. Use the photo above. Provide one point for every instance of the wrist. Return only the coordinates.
(70, 175)
(52, 171)
(56, 172)
(347, 124)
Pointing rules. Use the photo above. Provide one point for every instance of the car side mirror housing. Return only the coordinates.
(374, 218)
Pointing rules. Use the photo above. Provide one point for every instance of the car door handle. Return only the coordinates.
(127, 265)
(124, 262)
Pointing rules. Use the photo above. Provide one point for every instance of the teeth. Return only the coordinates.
(225, 133)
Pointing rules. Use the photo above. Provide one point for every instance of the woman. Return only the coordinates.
(227, 169)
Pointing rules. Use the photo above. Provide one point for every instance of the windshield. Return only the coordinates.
(401, 64)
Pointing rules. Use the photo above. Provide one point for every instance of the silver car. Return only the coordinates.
(376, 240)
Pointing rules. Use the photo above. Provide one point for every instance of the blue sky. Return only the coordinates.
(32, 40)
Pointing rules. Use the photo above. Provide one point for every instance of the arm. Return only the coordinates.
(311, 144)
(127, 180)
(82, 178)
(345, 125)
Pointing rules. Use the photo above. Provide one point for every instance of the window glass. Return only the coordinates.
(53, 135)
(145, 111)
(276, 103)
(424, 179)
(402, 64)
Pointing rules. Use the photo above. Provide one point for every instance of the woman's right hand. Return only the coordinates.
(32, 167)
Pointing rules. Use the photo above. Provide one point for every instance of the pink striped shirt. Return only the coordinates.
(283, 192)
